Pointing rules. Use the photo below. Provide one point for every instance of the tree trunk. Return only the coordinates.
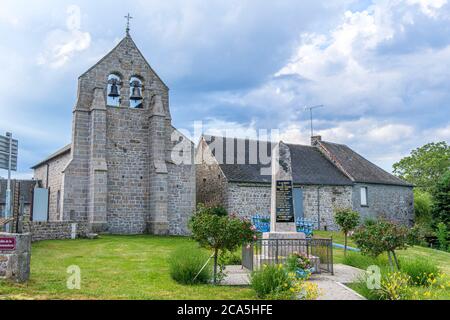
(215, 265)
(390, 261)
(396, 260)
(345, 244)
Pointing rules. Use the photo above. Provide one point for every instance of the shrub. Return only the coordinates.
(420, 271)
(419, 234)
(274, 282)
(382, 236)
(423, 204)
(186, 262)
(442, 235)
(271, 280)
(394, 286)
(298, 261)
(347, 220)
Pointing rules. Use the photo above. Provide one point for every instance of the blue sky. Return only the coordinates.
(381, 68)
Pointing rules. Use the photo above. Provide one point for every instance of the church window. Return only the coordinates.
(136, 93)
(114, 86)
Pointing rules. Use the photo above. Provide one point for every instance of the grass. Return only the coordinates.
(439, 258)
(112, 267)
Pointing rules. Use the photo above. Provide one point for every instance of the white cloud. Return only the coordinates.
(429, 7)
(61, 45)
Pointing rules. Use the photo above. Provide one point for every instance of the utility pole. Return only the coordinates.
(311, 115)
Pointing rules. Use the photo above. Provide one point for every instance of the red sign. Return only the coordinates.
(7, 244)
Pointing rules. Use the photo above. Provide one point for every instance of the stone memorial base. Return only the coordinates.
(15, 256)
(285, 245)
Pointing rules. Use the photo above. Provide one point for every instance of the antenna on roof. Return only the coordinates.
(311, 115)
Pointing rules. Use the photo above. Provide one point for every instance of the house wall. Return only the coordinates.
(212, 185)
(246, 200)
(55, 169)
(395, 203)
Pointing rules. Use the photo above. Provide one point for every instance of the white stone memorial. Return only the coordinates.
(282, 217)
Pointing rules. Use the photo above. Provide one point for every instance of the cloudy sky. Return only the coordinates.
(381, 68)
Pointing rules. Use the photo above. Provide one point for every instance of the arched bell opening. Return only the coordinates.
(136, 98)
(113, 90)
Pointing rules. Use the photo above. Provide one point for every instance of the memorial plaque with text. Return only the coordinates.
(284, 202)
(7, 244)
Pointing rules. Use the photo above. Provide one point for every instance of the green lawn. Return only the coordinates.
(440, 258)
(112, 267)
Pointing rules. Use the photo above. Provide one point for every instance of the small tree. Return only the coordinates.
(374, 238)
(220, 233)
(347, 220)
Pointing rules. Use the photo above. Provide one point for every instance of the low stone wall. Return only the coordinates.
(54, 230)
(15, 255)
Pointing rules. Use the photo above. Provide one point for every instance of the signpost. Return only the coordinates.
(8, 160)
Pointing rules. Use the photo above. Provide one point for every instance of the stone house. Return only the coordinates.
(119, 173)
(236, 174)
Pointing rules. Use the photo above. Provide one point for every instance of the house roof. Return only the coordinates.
(358, 168)
(25, 190)
(309, 165)
(58, 153)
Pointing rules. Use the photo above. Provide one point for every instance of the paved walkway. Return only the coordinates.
(331, 286)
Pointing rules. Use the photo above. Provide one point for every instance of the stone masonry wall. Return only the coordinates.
(394, 203)
(248, 199)
(212, 185)
(128, 179)
(327, 199)
(15, 261)
(56, 230)
(181, 197)
(54, 183)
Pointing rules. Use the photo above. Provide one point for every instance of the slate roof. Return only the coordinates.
(25, 190)
(359, 168)
(309, 165)
(61, 151)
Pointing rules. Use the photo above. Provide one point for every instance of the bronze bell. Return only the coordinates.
(136, 93)
(114, 91)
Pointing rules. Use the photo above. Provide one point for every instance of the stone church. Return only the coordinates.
(118, 174)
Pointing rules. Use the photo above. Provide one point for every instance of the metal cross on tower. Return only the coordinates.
(128, 17)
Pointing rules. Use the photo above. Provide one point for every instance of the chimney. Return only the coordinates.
(315, 140)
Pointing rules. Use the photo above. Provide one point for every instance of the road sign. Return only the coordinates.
(4, 153)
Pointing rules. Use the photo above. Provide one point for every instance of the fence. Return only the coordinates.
(275, 251)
